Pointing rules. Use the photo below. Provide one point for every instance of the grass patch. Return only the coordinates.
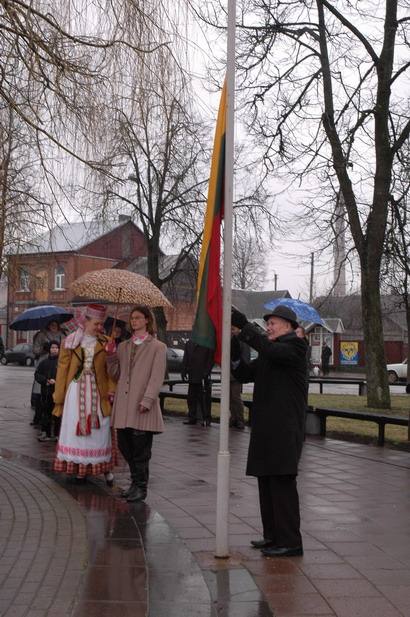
(400, 403)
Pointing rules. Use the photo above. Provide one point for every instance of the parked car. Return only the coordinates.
(397, 372)
(174, 359)
(22, 353)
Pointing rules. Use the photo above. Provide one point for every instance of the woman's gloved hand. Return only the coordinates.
(111, 347)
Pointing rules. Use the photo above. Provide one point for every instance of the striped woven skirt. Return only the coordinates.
(83, 455)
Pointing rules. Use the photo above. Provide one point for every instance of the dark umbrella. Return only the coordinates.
(111, 322)
(39, 317)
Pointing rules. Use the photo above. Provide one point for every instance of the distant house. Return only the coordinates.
(348, 344)
(252, 302)
(43, 271)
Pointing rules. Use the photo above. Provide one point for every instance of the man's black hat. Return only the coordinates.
(283, 312)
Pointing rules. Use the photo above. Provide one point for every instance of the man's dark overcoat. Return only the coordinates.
(279, 402)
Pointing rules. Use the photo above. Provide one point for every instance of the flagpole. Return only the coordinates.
(222, 493)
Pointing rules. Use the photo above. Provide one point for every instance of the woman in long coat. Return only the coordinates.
(82, 397)
(139, 365)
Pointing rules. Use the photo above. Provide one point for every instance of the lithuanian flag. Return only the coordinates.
(207, 329)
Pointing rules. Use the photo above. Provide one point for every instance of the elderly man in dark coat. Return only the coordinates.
(277, 427)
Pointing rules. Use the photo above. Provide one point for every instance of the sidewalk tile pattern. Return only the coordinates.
(42, 544)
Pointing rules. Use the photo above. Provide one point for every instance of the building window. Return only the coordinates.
(59, 276)
(24, 280)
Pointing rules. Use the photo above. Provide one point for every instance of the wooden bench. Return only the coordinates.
(174, 382)
(379, 419)
(322, 413)
(183, 396)
(361, 383)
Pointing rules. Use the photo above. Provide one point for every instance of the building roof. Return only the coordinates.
(71, 236)
(166, 264)
(349, 310)
(252, 302)
(331, 324)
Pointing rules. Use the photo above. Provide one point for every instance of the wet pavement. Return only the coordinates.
(92, 553)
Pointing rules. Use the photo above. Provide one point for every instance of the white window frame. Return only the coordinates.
(59, 278)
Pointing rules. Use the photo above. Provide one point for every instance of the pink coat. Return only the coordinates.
(138, 383)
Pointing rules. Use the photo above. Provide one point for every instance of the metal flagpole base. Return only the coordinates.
(222, 550)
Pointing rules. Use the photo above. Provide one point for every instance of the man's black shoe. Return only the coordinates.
(189, 422)
(262, 543)
(276, 551)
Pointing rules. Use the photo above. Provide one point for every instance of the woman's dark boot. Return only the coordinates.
(137, 493)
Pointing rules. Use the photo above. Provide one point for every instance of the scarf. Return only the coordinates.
(138, 339)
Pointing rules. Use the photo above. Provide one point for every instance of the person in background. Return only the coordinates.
(118, 332)
(52, 332)
(41, 345)
(1, 347)
(196, 368)
(45, 375)
(301, 333)
(138, 366)
(325, 358)
(277, 427)
(82, 395)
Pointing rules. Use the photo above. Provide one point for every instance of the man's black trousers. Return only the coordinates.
(199, 400)
(279, 504)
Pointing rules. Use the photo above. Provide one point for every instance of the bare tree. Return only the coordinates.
(323, 84)
(396, 274)
(156, 141)
(248, 260)
(23, 209)
(58, 60)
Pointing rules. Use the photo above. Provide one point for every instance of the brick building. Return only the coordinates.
(44, 271)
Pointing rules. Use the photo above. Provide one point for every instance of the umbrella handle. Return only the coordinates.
(114, 323)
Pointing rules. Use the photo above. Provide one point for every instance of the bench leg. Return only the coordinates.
(380, 439)
(323, 426)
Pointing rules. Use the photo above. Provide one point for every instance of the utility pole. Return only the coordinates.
(275, 285)
(312, 269)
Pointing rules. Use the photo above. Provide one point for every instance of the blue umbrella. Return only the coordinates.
(39, 317)
(303, 311)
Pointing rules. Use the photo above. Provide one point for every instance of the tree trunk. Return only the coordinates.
(408, 341)
(378, 392)
(408, 356)
(161, 323)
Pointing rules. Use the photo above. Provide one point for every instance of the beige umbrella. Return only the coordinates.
(119, 287)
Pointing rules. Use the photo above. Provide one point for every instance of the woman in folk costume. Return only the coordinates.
(139, 366)
(82, 397)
